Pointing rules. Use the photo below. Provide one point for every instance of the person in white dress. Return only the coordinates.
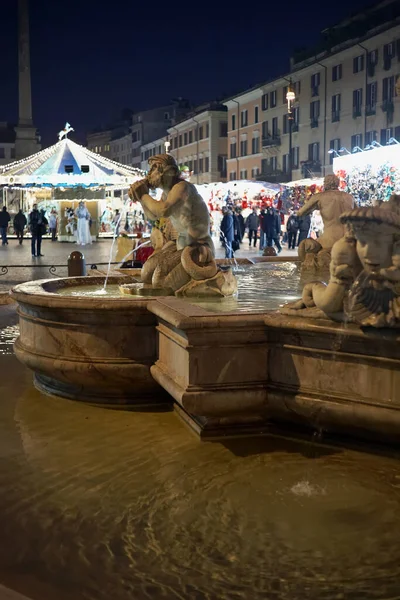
(83, 229)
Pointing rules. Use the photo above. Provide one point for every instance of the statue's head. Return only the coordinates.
(331, 182)
(377, 231)
(163, 168)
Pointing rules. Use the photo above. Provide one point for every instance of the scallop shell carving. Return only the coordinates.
(373, 302)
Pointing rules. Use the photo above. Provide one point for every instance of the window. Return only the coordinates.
(388, 89)
(256, 114)
(166, 116)
(243, 148)
(233, 122)
(272, 99)
(336, 101)
(356, 141)
(135, 137)
(196, 134)
(191, 136)
(232, 176)
(371, 136)
(336, 72)
(275, 131)
(313, 152)
(233, 150)
(12, 152)
(206, 164)
(185, 139)
(255, 172)
(201, 132)
(195, 167)
(264, 102)
(273, 163)
(207, 130)
(388, 55)
(243, 174)
(264, 129)
(180, 141)
(255, 145)
(3, 153)
(372, 93)
(315, 83)
(200, 165)
(285, 123)
(284, 92)
(358, 64)
(285, 163)
(357, 102)
(373, 57)
(175, 142)
(386, 134)
(314, 113)
(223, 129)
(296, 118)
(295, 157)
(334, 145)
(244, 118)
(221, 164)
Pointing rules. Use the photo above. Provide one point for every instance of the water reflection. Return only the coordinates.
(98, 504)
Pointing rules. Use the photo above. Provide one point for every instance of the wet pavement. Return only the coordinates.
(98, 504)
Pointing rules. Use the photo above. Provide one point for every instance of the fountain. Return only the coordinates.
(233, 365)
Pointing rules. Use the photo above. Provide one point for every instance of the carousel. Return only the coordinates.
(62, 177)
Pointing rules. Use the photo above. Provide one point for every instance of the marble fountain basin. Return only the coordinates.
(92, 348)
(234, 367)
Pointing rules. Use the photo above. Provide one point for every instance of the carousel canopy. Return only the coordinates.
(67, 164)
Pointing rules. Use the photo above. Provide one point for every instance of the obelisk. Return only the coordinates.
(26, 142)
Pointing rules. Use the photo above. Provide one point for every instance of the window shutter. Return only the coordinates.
(397, 133)
(383, 137)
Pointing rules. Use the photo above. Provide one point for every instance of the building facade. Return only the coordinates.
(347, 97)
(99, 141)
(200, 143)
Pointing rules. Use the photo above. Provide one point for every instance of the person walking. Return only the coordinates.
(4, 221)
(37, 226)
(252, 223)
(53, 225)
(304, 228)
(272, 222)
(20, 222)
(292, 228)
(228, 231)
(241, 224)
(263, 236)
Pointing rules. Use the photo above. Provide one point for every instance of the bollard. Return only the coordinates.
(76, 264)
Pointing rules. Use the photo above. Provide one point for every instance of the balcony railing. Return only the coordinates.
(310, 168)
(271, 140)
(274, 176)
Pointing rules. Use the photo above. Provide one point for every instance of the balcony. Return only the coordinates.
(310, 168)
(335, 116)
(314, 122)
(273, 176)
(271, 140)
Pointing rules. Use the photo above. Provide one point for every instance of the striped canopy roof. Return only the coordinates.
(67, 164)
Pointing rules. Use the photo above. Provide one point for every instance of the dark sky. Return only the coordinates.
(92, 58)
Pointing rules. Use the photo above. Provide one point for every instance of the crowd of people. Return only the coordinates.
(266, 227)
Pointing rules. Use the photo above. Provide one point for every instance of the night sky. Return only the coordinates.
(91, 59)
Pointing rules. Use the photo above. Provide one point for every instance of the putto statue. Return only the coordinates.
(183, 260)
(364, 283)
(315, 254)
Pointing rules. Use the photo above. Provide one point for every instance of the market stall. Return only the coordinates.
(59, 177)
(370, 176)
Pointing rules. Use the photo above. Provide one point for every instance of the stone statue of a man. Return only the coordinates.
(180, 202)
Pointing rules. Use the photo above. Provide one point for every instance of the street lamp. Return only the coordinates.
(290, 97)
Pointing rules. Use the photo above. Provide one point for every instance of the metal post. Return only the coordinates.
(290, 118)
